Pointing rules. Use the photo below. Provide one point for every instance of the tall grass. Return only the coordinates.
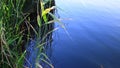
(18, 26)
(11, 35)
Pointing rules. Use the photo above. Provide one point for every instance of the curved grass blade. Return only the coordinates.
(21, 58)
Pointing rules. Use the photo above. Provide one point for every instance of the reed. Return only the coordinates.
(18, 26)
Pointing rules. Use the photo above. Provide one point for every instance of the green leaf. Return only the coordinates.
(39, 21)
(21, 58)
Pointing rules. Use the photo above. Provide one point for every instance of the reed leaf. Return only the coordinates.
(39, 21)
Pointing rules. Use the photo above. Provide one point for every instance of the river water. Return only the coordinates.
(94, 34)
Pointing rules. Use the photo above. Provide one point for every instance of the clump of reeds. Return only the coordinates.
(10, 33)
(17, 27)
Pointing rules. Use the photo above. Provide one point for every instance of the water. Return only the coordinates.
(94, 26)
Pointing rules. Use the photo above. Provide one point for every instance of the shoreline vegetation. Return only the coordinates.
(20, 22)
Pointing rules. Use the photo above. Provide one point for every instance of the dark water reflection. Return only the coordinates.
(95, 32)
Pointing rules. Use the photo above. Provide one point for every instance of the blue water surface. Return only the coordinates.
(94, 34)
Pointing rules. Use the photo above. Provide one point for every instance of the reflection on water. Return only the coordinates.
(95, 32)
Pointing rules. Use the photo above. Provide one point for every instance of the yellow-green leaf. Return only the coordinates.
(47, 10)
(39, 20)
